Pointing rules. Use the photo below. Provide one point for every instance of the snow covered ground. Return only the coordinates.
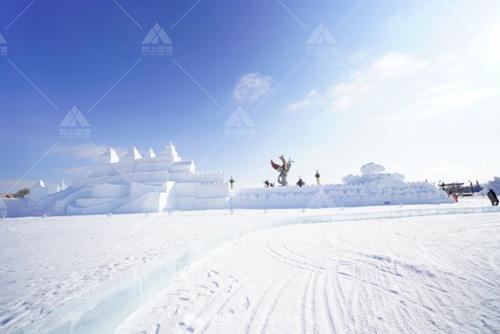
(412, 275)
(88, 274)
(53, 269)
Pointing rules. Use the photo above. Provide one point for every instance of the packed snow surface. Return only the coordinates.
(435, 270)
(436, 274)
(57, 267)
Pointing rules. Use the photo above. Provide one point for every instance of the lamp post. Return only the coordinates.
(231, 183)
(317, 176)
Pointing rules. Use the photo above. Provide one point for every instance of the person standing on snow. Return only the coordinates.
(300, 182)
(493, 197)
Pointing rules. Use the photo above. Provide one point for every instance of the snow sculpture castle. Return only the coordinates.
(372, 187)
(164, 182)
(137, 183)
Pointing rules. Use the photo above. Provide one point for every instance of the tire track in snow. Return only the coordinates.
(336, 319)
(302, 255)
(395, 287)
(291, 261)
(317, 258)
(440, 288)
(303, 303)
(319, 298)
(275, 301)
(376, 286)
(328, 308)
(314, 316)
(251, 319)
(315, 262)
(340, 301)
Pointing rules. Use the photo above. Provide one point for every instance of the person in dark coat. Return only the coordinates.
(493, 197)
(300, 182)
(268, 184)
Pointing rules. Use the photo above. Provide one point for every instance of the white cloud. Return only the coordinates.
(252, 86)
(360, 83)
(336, 98)
(395, 64)
(343, 95)
(444, 98)
(489, 43)
(399, 86)
(312, 99)
(455, 69)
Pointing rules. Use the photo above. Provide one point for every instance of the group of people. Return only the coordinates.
(300, 183)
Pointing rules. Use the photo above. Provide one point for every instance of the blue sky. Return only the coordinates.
(413, 85)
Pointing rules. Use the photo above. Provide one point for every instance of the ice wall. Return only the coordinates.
(347, 195)
(372, 187)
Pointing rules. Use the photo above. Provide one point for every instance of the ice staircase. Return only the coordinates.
(110, 198)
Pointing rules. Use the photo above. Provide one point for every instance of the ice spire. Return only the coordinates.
(110, 156)
(62, 186)
(169, 153)
(134, 154)
(151, 154)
